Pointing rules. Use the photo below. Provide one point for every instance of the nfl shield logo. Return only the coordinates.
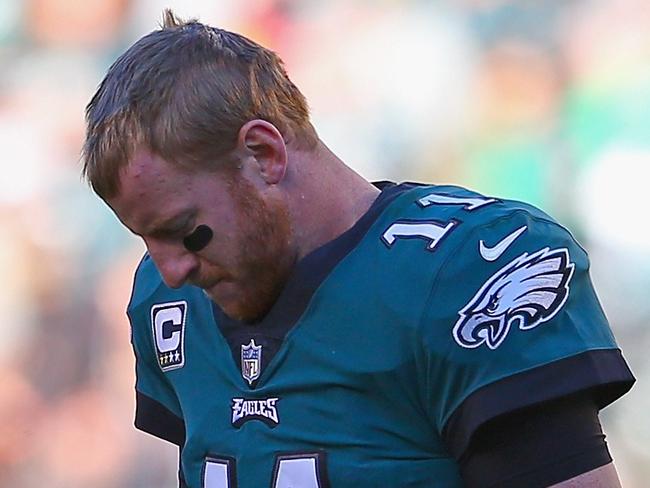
(251, 361)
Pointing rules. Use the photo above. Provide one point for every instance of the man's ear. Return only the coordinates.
(262, 141)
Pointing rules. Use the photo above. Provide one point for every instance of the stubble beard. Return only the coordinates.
(266, 256)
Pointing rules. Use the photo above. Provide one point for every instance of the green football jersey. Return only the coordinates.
(439, 310)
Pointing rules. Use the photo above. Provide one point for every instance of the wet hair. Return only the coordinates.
(183, 92)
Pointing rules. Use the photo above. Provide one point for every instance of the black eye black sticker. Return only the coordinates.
(198, 238)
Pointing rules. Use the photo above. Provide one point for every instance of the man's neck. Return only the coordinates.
(327, 197)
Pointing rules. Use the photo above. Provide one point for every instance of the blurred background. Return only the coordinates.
(543, 101)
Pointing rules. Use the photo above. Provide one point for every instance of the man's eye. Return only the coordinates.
(198, 238)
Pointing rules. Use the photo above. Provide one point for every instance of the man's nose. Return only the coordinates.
(175, 263)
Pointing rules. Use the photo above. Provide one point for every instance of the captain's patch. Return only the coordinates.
(168, 323)
(265, 410)
(526, 292)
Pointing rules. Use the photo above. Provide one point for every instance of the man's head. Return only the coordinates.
(184, 91)
(189, 131)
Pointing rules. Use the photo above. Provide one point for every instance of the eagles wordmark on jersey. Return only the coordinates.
(374, 366)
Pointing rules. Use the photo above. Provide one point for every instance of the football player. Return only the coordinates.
(297, 326)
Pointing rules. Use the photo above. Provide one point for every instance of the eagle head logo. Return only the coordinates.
(527, 291)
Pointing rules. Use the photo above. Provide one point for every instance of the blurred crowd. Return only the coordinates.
(547, 102)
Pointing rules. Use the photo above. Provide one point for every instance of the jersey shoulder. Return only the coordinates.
(505, 265)
(152, 301)
(428, 238)
(146, 282)
(429, 225)
(160, 318)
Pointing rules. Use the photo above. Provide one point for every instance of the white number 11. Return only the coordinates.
(431, 230)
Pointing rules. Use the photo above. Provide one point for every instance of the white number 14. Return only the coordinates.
(290, 471)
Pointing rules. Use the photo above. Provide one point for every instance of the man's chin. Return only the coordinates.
(234, 306)
(241, 313)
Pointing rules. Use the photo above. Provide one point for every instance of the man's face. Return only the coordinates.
(244, 266)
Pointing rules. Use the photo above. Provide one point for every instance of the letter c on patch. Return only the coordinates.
(162, 317)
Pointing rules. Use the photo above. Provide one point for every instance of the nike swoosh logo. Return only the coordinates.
(493, 253)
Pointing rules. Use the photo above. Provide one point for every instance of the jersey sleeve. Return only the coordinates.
(513, 321)
(157, 408)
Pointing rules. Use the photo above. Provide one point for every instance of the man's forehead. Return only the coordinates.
(145, 164)
(151, 190)
(148, 175)
(147, 167)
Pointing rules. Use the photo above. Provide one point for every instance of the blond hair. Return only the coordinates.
(183, 92)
